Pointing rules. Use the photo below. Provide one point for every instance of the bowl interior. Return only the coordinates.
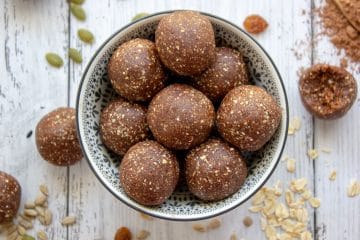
(95, 92)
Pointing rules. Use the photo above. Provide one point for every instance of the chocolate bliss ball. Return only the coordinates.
(186, 42)
(10, 196)
(149, 173)
(328, 92)
(56, 137)
(227, 72)
(122, 124)
(248, 117)
(180, 117)
(135, 70)
(214, 170)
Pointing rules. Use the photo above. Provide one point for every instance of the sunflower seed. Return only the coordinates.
(30, 212)
(75, 55)
(42, 220)
(69, 220)
(54, 60)
(26, 218)
(12, 236)
(142, 235)
(40, 211)
(19, 237)
(44, 189)
(78, 1)
(26, 224)
(332, 175)
(199, 227)
(21, 230)
(40, 199)
(29, 204)
(47, 217)
(77, 11)
(139, 16)
(85, 35)
(11, 228)
(214, 224)
(42, 235)
(353, 189)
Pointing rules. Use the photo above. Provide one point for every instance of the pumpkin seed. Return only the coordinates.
(77, 11)
(139, 16)
(42, 235)
(28, 237)
(75, 55)
(78, 1)
(54, 60)
(40, 199)
(85, 35)
(44, 189)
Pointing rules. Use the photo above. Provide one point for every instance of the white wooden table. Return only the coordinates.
(29, 88)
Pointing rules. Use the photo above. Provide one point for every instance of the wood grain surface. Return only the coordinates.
(29, 88)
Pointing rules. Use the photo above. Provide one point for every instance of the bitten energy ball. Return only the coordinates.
(122, 124)
(186, 42)
(10, 196)
(135, 70)
(149, 173)
(327, 92)
(180, 117)
(248, 117)
(214, 170)
(56, 137)
(227, 72)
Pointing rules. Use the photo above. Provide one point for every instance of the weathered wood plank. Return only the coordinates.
(100, 213)
(342, 137)
(29, 88)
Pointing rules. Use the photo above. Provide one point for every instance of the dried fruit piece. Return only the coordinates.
(54, 60)
(290, 165)
(142, 235)
(313, 153)
(85, 35)
(42, 235)
(247, 221)
(353, 189)
(255, 24)
(69, 220)
(332, 175)
(314, 202)
(77, 11)
(214, 223)
(198, 227)
(79, 2)
(123, 233)
(75, 55)
(139, 16)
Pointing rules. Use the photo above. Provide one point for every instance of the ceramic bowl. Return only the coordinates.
(95, 92)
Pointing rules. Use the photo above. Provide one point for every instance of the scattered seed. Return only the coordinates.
(313, 154)
(42, 235)
(353, 189)
(29, 205)
(19, 237)
(142, 235)
(79, 2)
(298, 185)
(326, 150)
(26, 218)
(255, 209)
(233, 237)
(42, 220)
(21, 230)
(85, 35)
(199, 227)
(29, 134)
(294, 126)
(26, 224)
(247, 221)
(214, 224)
(40, 211)
(75, 55)
(40, 199)
(44, 189)
(314, 202)
(146, 217)
(139, 16)
(281, 211)
(28, 237)
(54, 60)
(290, 165)
(13, 235)
(47, 217)
(46, 204)
(30, 212)
(69, 220)
(11, 228)
(306, 235)
(77, 11)
(332, 175)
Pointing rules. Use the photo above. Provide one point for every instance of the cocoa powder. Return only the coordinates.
(341, 33)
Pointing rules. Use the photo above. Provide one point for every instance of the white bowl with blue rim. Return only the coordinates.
(95, 92)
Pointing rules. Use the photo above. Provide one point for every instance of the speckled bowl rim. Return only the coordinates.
(149, 211)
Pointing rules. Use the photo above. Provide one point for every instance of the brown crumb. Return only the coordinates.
(247, 221)
(255, 24)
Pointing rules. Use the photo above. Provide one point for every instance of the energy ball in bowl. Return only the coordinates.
(180, 117)
(215, 170)
(227, 72)
(248, 117)
(328, 92)
(135, 70)
(186, 42)
(122, 124)
(149, 173)
(10, 196)
(56, 137)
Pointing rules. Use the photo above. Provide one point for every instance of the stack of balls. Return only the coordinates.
(154, 117)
